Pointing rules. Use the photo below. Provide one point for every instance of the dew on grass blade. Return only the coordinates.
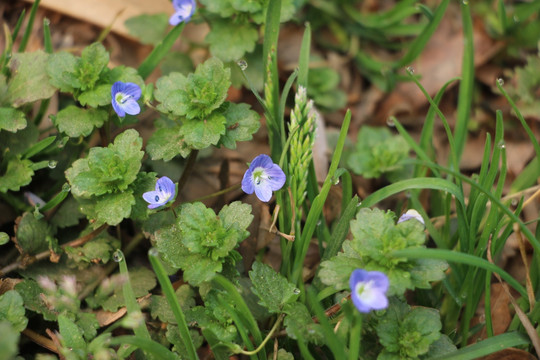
(296, 291)
(243, 64)
(410, 69)
(118, 256)
(514, 202)
(465, 2)
(390, 122)
(500, 81)
(66, 187)
(153, 251)
(501, 144)
(52, 164)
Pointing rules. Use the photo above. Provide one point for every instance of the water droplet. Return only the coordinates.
(52, 164)
(243, 64)
(46, 22)
(514, 202)
(500, 81)
(410, 69)
(66, 187)
(465, 2)
(118, 256)
(359, 204)
(501, 144)
(516, 18)
(311, 331)
(153, 251)
(296, 291)
(319, 223)
(335, 181)
(390, 122)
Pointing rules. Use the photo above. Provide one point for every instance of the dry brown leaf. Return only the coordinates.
(103, 13)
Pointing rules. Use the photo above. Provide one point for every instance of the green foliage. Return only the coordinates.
(229, 41)
(12, 120)
(407, 333)
(148, 28)
(12, 310)
(273, 290)
(32, 234)
(4, 238)
(200, 242)
(9, 340)
(323, 88)
(375, 237)
(75, 122)
(377, 152)
(103, 183)
(29, 81)
(299, 324)
(161, 309)
(18, 173)
(241, 123)
(30, 292)
(99, 250)
(196, 95)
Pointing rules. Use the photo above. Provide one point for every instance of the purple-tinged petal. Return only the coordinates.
(247, 182)
(263, 192)
(368, 290)
(276, 177)
(165, 185)
(118, 109)
(184, 10)
(263, 161)
(133, 90)
(131, 107)
(411, 214)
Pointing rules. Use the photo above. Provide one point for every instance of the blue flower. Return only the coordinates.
(165, 191)
(411, 214)
(124, 98)
(184, 9)
(263, 177)
(368, 290)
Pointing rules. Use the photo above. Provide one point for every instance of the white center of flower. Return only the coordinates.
(365, 291)
(259, 175)
(122, 98)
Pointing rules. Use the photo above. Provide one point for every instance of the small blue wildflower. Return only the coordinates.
(411, 214)
(368, 290)
(263, 177)
(124, 98)
(165, 191)
(184, 9)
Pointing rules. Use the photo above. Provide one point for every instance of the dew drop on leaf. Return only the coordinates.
(52, 164)
(66, 187)
(296, 291)
(118, 256)
(500, 81)
(390, 122)
(410, 69)
(153, 251)
(243, 64)
(501, 144)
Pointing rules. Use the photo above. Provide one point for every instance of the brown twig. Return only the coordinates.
(45, 254)
(41, 340)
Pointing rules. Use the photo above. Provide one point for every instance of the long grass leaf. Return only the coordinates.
(159, 52)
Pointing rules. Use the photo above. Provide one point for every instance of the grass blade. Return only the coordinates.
(159, 52)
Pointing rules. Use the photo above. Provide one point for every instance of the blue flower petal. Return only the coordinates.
(184, 9)
(263, 192)
(368, 290)
(124, 98)
(276, 177)
(247, 182)
(165, 192)
(263, 177)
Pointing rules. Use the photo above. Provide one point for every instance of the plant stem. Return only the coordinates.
(190, 164)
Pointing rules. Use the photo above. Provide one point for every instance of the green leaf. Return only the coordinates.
(377, 152)
(108, 209)
(375, 237)
(222, 8)
(197, 95)
(18, 173)
(88, 324)
(273, 290)
(299, 324)
(161, 309)
(241, 124)
(109, 169)
(148, 28)
(71, 335)
(200, 134)
(12, 120)
(100, 95)
(94, 59)
(67, 215)
(166, 143)
(4, 238)
(200, 242)
(145, 182)
(230, 41)
(75, 121)
(31, 234)
(173, 336)
(142, 281)
(61, 69)
(408, 333)
(99, 250)
(9, 340)
(20, 142)
(29, 81)
(30, 291)
(12, 310)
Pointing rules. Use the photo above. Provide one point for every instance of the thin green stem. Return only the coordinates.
(266, 339)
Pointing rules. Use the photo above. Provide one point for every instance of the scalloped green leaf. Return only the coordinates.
(272, 288)
(200, 134)
(18, 173)
(75, 121)
(242, 123)
(12, 310)
(94, 59)
(166, 143)
(230, 41)
(29, 81)
(61, 68)
(12, 120)
(31, 234)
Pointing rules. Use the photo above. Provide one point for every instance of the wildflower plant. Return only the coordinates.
(79, 195)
